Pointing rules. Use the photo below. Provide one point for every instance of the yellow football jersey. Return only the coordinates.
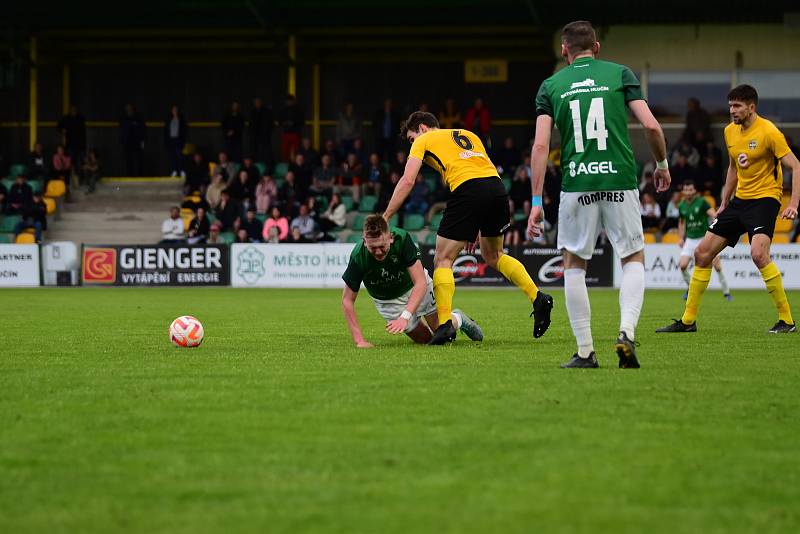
(458, 155)
(757, 153)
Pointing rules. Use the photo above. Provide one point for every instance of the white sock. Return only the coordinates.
(631, 296)
(723, 282)
(578, 309)
(456, 317)
(687, 276)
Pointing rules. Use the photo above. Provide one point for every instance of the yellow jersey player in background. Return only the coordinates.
(756, 149)
(478, 204)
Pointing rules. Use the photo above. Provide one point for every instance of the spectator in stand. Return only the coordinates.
(241, 192)
(388, 190)
(34, 215)
(172, 228)
(374, 176)
(303, 175)
(266, 194)
(62, 165)
(199, 227)
(348, 128)
(196, 175)
(309, 153)
(251, 226)
(291, 119)
(520, 191)
(685, 149)
(648, 184)
(385, 125)
(275, 221)
(710, 175)
(350, 177)
(228, 211)
(20, 194)
(91, 170)
(399, 163)
(73, 131)
(360, 151)
(450, 117)
(253, 173)
(650, 211)
(672, 213)
(324, 178)
(334, 217)
(287, 194)
(175, 132)
(418, 198)
(262, 122)
(214, 191)
(296, 237)
(229, 169)
(241, 236)
(306, 223)
(682, 171)
(697, 121)
(331, 152)
(133, 133)
(233, 132)
(213, 234)
(479, 121)
(508, 158)
(37, 163)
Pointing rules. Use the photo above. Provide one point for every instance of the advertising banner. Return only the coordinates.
(155, 265)
(19, 265)
(662, 271)
(284, 265)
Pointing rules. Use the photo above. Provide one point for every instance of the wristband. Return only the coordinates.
(406, 315)
(536, 200)
(662, 164)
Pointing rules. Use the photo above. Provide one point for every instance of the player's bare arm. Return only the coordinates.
(655, 139)
(731, 180)
(403, 187)
(349, 308)
(681, 231)
(790, 160)
(417, 274)
(539, 152)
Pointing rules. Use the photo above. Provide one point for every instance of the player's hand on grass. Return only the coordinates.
(663, 179)
(535, 222)
(790, 212)
(364, 344)
(397, 326)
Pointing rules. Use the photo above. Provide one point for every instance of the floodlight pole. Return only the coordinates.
(315, 127)
(33, 118)
(292, 70)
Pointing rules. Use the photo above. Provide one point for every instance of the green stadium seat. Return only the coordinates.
(36, 185)
(280, 170)
(8, 182)
(262, 167)
(9, 222)
(261, 217)
(394, 221)
(413, 222)
(354, 238)
(431, 182)
(435, 221)
(348, 202)
(279, 182)
(367, 204)
(6, 238)
(227, 237)
(211, 217)
(519, 216)
(358, 223)
(507, 183)
(16, 170)
(322, 203)
(430, 239)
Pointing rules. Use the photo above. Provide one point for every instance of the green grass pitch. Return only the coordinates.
(277, 424)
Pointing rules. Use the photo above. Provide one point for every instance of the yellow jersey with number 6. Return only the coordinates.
(756, 153)
(458, 155)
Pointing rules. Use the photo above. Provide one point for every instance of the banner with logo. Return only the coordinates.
(545, 265)
(662, 269)
(155, 265)
(19, 265)
(288, 265)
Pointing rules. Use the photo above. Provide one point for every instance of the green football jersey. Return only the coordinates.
(588, 102)
(387, 279)
(695, 216)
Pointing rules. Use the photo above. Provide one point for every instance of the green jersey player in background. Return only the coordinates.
(692, 227)
(388, 262)
(588, 101)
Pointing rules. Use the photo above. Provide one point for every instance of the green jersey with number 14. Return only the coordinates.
(588, 102)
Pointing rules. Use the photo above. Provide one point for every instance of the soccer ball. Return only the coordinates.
(186, 331)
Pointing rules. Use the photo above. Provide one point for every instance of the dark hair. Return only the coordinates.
(375, 226)
(578, 36)
(689, 182)
(744, 93)
(417, 119)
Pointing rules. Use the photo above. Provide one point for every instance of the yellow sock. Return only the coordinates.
(698, 285)
(512, 269)
(444, 287)
(774, 281)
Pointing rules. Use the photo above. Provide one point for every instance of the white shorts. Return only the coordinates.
(581, 217)
(391, 309)
(689, 245)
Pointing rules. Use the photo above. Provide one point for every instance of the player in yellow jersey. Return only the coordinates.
(478, 204)
(756, 149)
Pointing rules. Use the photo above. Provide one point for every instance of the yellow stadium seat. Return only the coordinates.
(711, 201)
(783, 225)
(649, 238)
(31, 231)
(55, 189)
(781, 238)
(186, 222)
(211, 168)
(25, 238)
(51, 205)
(187, 212)
(671, 237)
(797, 239)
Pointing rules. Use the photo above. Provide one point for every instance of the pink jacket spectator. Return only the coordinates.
(281, 223)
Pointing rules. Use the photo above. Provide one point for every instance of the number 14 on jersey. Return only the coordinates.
(595, 124)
